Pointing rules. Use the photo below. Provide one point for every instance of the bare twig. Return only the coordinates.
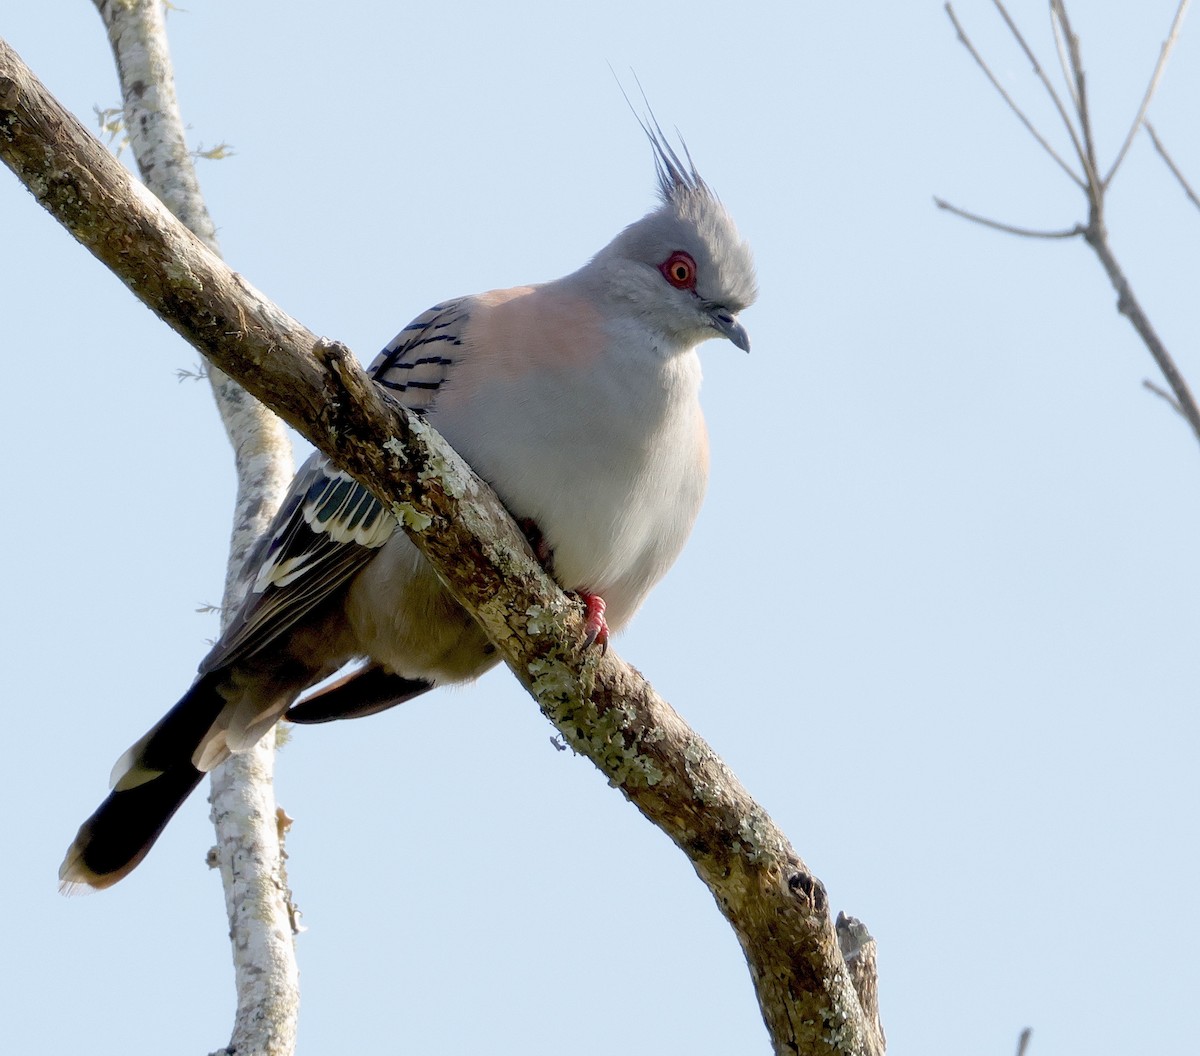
(1161, 65)
(1023, 1041)
(1093, 231)
(1080, 152)
(1024, 232)
(1158, 390)
(1060, 47)
(966, 42)
(1175, 170)
(1079, 93)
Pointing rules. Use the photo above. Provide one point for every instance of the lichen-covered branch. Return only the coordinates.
(248, 850)
(602, 707)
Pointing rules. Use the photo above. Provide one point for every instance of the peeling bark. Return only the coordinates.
(601, 706)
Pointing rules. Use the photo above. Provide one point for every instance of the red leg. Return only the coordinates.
(595, 628)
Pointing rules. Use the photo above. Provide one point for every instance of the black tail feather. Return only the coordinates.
(366, 691)
(124, 827)
(178, 733)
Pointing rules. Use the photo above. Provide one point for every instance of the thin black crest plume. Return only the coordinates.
(673, 174)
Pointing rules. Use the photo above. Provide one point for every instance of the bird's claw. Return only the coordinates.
(595, 627)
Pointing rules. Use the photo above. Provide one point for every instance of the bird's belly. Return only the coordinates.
(614, 511)
(402, 617)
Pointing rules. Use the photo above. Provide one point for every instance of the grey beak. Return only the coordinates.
(725, 323)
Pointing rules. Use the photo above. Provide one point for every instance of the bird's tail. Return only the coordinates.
(149, 782)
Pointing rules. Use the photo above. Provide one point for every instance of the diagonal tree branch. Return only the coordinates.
(1130, 307)
(602, 707)
(249, 850)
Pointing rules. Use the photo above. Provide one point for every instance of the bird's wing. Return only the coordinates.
(417, 360)
(329, 525)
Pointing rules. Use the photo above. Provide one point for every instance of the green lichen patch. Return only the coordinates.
(393, 446)
(407, 514)
(448, 472)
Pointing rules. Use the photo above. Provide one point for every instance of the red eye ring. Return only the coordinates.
(679, 269)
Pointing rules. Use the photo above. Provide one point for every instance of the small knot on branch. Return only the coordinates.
(807, 887)
(334, 356)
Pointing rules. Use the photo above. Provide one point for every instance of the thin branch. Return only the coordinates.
(1024, 232)
(1023, 1041)
(1161, 65)
(1094, 231)
(1060, 48)
(967, 43)
(1162, 393)
(1175, 170)
(1129, 306)
(1080, 152)
(1079, 94)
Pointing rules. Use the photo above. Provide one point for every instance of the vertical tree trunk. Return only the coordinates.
(249, 826)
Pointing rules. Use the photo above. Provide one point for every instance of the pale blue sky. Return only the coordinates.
(939, 613)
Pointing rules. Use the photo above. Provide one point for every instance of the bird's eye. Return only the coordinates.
(679, 270)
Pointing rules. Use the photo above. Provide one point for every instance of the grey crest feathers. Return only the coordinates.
(673, 177)
(690, 220)
(684, 194)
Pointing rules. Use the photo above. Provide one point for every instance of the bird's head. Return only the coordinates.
(684, 267)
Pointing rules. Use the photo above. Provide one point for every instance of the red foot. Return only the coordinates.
(596, 627)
